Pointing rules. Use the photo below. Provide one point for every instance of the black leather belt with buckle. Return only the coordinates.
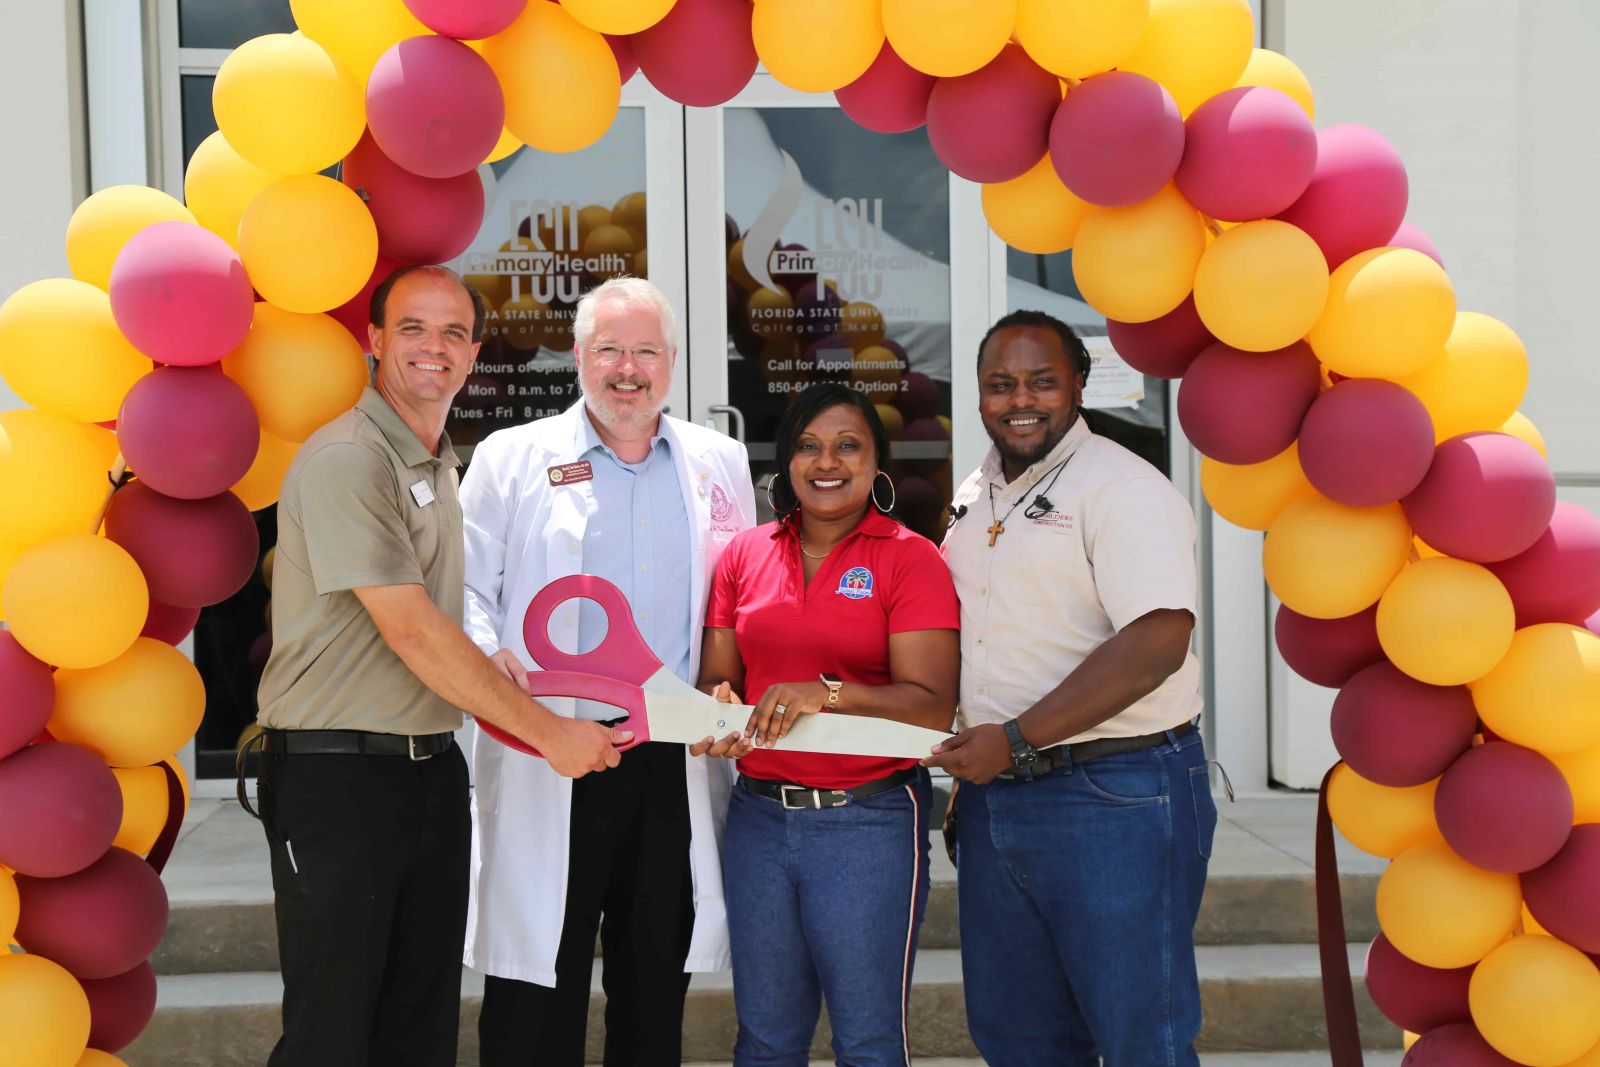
(353, 743)
(798, 797)
(1058, 756)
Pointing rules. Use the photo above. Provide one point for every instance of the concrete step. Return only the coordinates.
(1257, 998)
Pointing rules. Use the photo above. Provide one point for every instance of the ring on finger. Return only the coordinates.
(781, 709)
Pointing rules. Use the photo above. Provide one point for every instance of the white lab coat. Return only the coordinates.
(522, 533)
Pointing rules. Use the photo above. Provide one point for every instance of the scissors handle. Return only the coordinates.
(623, 653)
(628, 698)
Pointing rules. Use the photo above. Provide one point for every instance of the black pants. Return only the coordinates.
(628, 862)
(369, 874)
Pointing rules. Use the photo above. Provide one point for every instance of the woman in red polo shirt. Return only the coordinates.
(833, 609)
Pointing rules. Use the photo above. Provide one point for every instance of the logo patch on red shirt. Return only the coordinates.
(855, 583)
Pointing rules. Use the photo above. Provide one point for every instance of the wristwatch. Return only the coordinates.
(1024, 757)
(834, 684)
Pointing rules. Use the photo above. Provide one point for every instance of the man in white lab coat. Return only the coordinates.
(615, 488)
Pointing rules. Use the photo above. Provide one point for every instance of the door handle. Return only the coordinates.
(735, 419)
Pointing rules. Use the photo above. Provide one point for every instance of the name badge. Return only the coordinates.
(567, 473)
(422, 494)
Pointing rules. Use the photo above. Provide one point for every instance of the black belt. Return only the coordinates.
(354, 743)
(1058, 756)
(798, 797)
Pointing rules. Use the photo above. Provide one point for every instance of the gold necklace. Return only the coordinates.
(799, 537)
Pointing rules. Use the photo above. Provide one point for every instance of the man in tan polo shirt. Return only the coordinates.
(1084, 816)
(363, 791)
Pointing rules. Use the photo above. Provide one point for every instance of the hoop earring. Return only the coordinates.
(885, 476)
(773, 505)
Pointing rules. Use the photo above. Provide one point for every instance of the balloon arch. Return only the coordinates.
(1342, 403)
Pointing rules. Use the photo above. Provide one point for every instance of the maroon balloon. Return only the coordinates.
(1246, 407)
(1328, 652)
(466, 20)
(1397, 731)
(194, 553)
(1116, 139)
(1357, 196)
(27, 695)
(102, 921)
(1456, 1045)
(919, 504)
(1412, 996)
(355, 314)
(120, 1007)
(1412, 237)
(180, 294)
(891, 97)
(1248, 153)
(434, 106)
(188, 432)
(1562, 893)
(419, 220)
(1487, 497)
(819, 309)
(1504, 808)
(1366, 442)
(622, 51)
(994, 124)
(930, 431)
(1558, 578)
(919, 398)
(62, 808)
(165, 622)
(701, 54)
(1162, 347)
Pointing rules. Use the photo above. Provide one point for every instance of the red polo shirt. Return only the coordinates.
(881, 579)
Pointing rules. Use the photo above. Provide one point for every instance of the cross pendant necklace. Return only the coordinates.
(995, 531)
(999, 525)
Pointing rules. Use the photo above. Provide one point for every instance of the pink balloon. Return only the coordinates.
(891, 97)
(1412, 996)
(1487, 497)
(1248, 154)
(177, 291)
(994, 124)
(419, 220)
(193, 552)
(1562, 893)
(100, 922)
(1504, 808)
(120, 1007)
(167, 623)
(1558, 578)
(355, 314)
(1366, 442)
(1162, 347)
(466, 20)
(188, 432)
(1116, 139)
(622, 51)
(701, 54)
(1357, 196)
(1328, 652)
(1246, 407)
(1397, 731)
(1410, 236)
(1456, 1045)
(62, 809)
(434, 106)
(30, 695)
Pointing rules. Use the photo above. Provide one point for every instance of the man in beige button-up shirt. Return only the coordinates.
(1084, 817)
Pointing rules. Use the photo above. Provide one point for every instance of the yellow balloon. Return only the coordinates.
(1389, 313)
(308, 243)
(283, 103)
(144, 804)
(61, 351)
(1196, 48)
(93, 1057)
(877, 372)
(1253, 495)
(948, 38)
(8, 559)
(861, 325)
(133, 710)
(1327, 560)
(1446, 621)
(1381, 819)
(817, 46)
(1522, 428)
(1582, 772)
(76, 601)
(219, 184)
(1077, 38)
(523, 321)
(1441, 911)
(1530, 925)
(356, 32)
(1137, 263)
(608, 249)
(103, 223)
(44, 1013)
(10, 908)
(1545, 692)
(560, 79)
(1478, 382)
(1034, 212)
(770, 313)
(1537, 1001)
(618, 16)
(299, 371)
(894, 423)
(261, 484)
(52, 480)
(1276, 71)
(632, 212)
(507, 144)
(1261, 285)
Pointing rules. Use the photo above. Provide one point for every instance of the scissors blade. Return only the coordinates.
(690, 719)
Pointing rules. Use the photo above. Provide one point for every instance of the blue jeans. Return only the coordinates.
(825, 905)
(1078, 894)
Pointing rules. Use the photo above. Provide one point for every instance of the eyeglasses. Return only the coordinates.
(614, 354)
